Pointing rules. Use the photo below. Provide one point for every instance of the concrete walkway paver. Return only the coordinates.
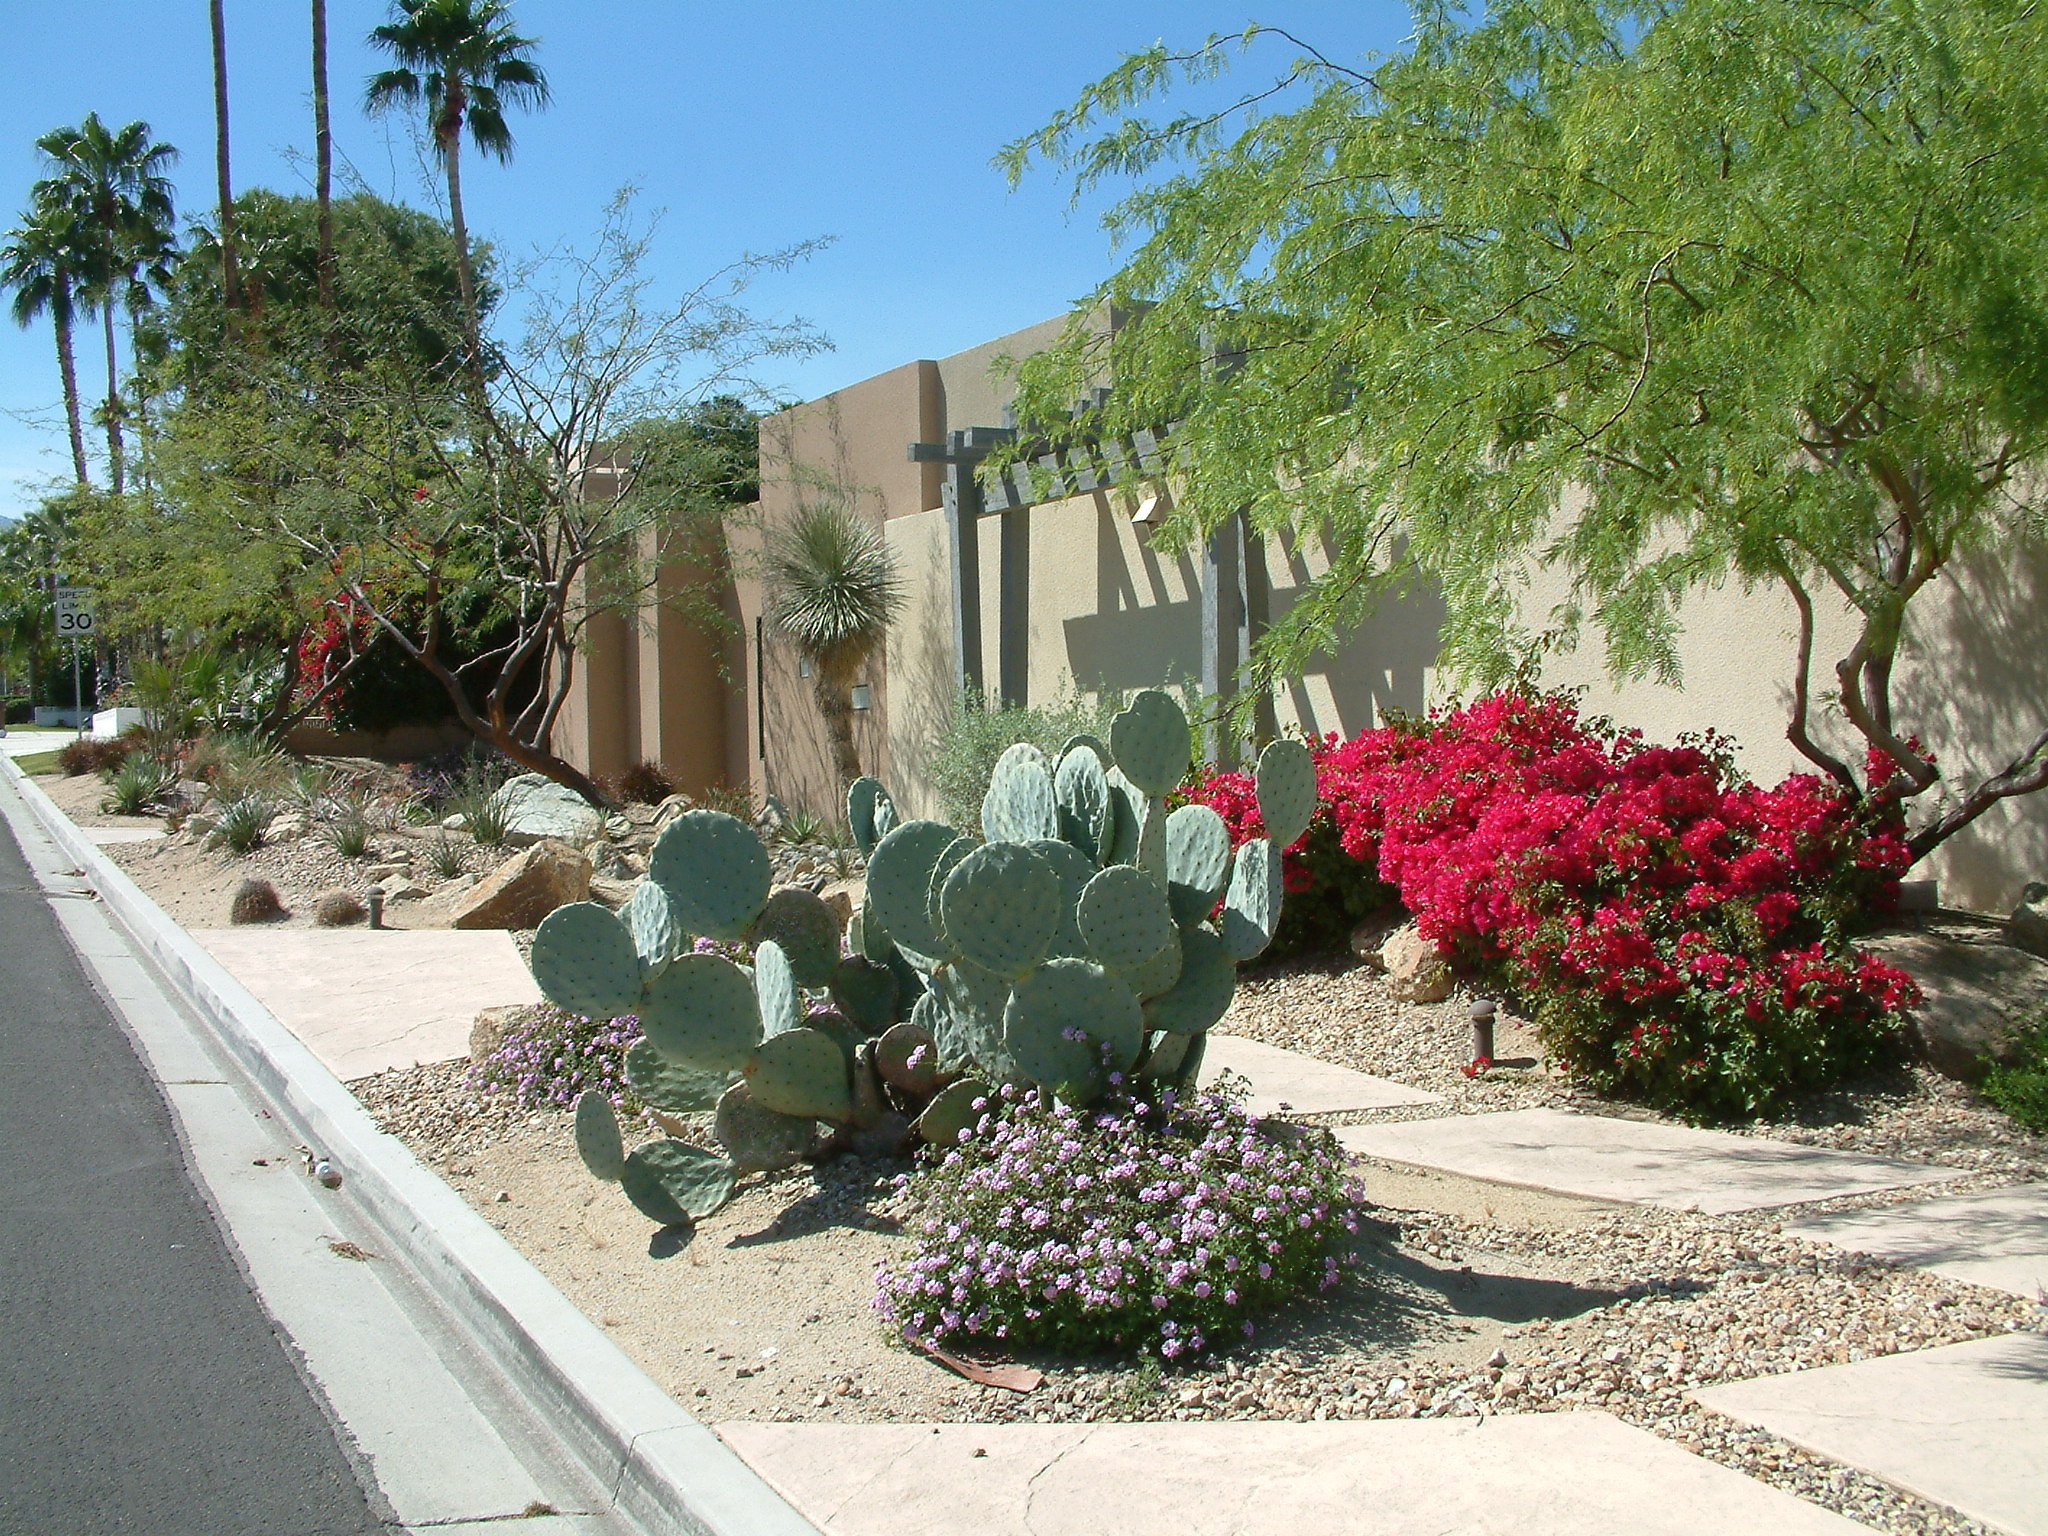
(1284, 1080)
(1637, 1162)
(1999, 1238)
(369, 1001)
(1963, 1425)
(1552, 1474)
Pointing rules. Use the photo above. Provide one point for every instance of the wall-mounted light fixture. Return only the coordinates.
(863, 696)
(803, 666)
(1153, 507)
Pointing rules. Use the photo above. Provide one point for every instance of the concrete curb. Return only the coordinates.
(667, 1471)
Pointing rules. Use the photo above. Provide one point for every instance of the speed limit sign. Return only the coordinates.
(74, 612)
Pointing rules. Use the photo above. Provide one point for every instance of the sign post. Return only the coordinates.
(75, 619)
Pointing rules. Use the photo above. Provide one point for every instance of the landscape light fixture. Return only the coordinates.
(863, 696)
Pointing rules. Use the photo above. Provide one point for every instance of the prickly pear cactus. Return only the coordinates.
(1089, 931)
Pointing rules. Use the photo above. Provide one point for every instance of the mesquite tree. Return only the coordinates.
(1666, 293)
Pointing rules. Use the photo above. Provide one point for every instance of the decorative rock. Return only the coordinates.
(404, 888)
(454, 823)
(1977, 993)
(338, 909)
(1416, 973)
(285, 826)
(2028, 926)
(606, 859)
(487, 1033)
(538, 808)
(525, 888)
(613, 893)
(1369, 938)
(386, 872)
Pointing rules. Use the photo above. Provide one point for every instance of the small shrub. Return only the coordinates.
(485, 819)
(444, 857)
(551, 1058)
(2021, 1088)
(800, 827)
(734, 802)
(238, 826)
(135, 786)
(1157, 1228)
(347, 830)
(256, 901)
(92, 754)
(965, 754)
(641, 784)
(338, 909)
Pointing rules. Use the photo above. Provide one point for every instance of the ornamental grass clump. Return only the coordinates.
(1164, 1226)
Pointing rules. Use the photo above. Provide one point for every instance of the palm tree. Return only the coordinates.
(833, 593)
(42, 263)
(464, 63)
(323, 158)
(230, 279)
(114, 184)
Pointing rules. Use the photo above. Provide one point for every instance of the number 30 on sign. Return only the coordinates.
(74, 612)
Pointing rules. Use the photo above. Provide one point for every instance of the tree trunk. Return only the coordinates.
(68, 367)
(114, 466)
(230, 277)
(448, 135)
(323, 157)
(836, 706)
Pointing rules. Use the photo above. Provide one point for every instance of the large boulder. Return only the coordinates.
(1416, 972)
(525, 888)
(538, 808)
(2028, 925)
(1977, 993)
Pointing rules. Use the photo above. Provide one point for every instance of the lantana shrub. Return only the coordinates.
(1329, 891)
(1683, 934)
(1162, 1226)
(549, 1058)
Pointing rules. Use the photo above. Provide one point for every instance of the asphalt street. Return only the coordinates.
(142, 1387)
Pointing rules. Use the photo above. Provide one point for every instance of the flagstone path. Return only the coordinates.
(1964, 1425)
(1288, 1081)
(1999, 1238)
(1633, 1161)
(1553, 1474)
(367, 1001)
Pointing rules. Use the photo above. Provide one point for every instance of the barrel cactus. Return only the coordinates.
(1087, 934)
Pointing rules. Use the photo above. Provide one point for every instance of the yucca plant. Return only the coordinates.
(135, 786)
(833, 592)
(347, 829)
(239, 825)
(444, 857)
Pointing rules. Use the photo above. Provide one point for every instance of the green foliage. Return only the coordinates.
(965, 755)
(444, 857)
(136, 786)
(347, 829)
(1665, 296)
(2020, 1087)
(239, 825)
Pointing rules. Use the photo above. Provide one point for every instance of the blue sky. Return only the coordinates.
(754, 126)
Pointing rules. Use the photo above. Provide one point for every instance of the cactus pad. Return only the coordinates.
(965, 1016)
(1084, 740)
(801, 1072)
(1081, 788)
(899, 878)
(701, 1013)
(1074, 869)
(1001, 907)
(1125, 920)
(864, 799)
(1287, 791)
(1019, 804)
(807, 931)
(908, 1058)
(1127, 813)
(715, 872)
(1197, 861)
(652, 923)
(583, 960)
(1151, 855)
(675, 1183)
(759, 1140)
(1175, 1060)
(1251, 910)
(1069, 1022)
(951, 1113)
(662, 1084)
(1150, 741)
(782, 1007)
(1208, 980)
(866, 993)
(956, 850)
(597, 1137)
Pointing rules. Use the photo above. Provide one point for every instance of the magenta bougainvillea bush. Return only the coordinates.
(1156, 1227)
(1683, 936)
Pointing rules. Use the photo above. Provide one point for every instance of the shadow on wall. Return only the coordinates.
(1981, 678)
(921, 701)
